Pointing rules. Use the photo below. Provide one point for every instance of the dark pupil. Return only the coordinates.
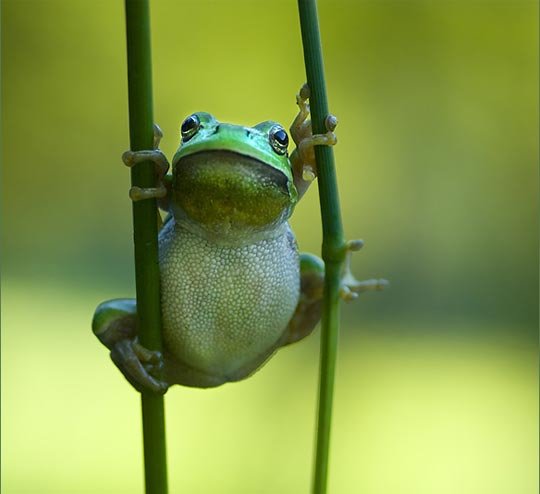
(281, 137)
(189, 124)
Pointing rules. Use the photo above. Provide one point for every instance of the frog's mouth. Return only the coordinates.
(227, 192)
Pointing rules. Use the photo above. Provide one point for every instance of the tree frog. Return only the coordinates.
(234, 287)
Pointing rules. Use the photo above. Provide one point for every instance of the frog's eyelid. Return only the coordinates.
(267, 126)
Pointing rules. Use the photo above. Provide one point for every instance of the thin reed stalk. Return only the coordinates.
(333, 248)
(145, 234)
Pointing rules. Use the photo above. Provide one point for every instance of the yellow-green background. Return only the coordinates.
(437, 160)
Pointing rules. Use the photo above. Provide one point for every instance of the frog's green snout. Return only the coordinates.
(225, 189)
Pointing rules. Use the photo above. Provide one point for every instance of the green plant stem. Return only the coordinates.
(145, 234)
(333, 248)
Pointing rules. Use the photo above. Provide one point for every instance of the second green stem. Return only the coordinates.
(333, 250)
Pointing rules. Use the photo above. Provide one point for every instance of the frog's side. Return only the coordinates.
(233, 286)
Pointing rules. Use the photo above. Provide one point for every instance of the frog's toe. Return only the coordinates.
(156, 156)
(158, 135)
(350, 287)
(154, 369)
(145, 355)
(302, 98)
(139, 365)
(152, 360)
(330, 123)
(141, 193)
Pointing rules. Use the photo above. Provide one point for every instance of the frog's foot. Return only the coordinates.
(140, 366)
(156, 156)
(115, 325)
(350, 286)
(303, 157)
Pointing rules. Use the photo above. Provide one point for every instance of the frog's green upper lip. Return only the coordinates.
(267, 157)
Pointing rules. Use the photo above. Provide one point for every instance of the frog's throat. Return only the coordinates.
(267, 159)
(230, 198)
(227, 239)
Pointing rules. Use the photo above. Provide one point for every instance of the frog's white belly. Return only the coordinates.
(223, 307)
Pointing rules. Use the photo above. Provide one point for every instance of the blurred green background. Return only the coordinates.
(438, 171)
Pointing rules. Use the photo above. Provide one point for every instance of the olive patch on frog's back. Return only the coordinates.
(225, 306)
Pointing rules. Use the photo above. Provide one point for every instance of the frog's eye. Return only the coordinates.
(279, 139)
(190, 126)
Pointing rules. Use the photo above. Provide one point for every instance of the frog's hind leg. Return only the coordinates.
(308, 310)
(350, 287)
(115, 325)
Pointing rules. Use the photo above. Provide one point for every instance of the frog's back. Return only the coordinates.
(225, 308)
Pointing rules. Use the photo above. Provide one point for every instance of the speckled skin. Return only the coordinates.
(225, 309)
(233, 287)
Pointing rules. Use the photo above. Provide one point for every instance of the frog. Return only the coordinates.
(234, 287)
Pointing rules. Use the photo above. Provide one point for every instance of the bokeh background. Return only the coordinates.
(437, 160)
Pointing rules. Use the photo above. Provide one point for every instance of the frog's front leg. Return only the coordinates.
(156, 156)
(115, 325)
(309, 308)
(303, 157)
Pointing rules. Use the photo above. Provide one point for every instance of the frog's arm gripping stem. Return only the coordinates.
(156, 156)
(303, 157)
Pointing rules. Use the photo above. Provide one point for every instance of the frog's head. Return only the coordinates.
(230, 180)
